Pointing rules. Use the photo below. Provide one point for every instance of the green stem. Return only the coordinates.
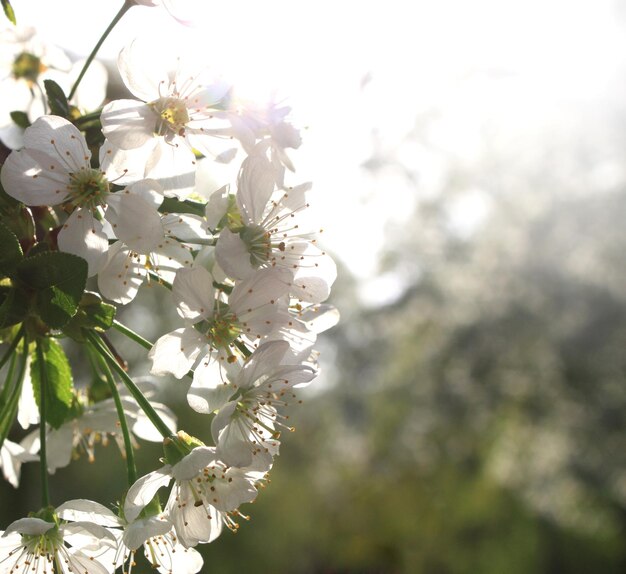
(143, 403)
(132, 335)
(160, 281)
(127, 5)
(43, 459)
(242, 347)
(131, 468)
(88, 117)
(14, 343)
(9, 411)
(6, 389)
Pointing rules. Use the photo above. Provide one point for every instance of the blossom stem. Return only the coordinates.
(43, 459)
(12, 346)
(242, 347)
(132, 335)
(127, 5)
(10, 403)
(143, 403)
(131, 468)
(93, 116)
(159, 280)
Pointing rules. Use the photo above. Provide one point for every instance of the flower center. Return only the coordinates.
(43, 544)
(27, 67)
(258, 242)
(173, 116)
(224, 327)
(88, 188)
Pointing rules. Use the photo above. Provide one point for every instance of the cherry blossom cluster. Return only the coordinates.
(100, 199)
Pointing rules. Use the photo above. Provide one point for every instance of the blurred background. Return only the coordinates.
(469, 168)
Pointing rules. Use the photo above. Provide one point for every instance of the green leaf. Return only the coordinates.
(173, 205)
(20, 119)
(7, 203)
(14, 305)
(59, 386)
(56, 99)
(8, 10)
(59, 281)
(93, 313)
(10, 251)
(37, 249)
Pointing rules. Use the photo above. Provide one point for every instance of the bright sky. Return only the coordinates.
(350, 68)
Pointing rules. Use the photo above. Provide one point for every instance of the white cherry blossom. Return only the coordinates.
(54, 168)
(246, 429)
(12, 455)
(271, 234)
(126, 268)
(41, 546)
(152, 531)
(205, 496)
(255, 309)
(97, 423)
(175, 115)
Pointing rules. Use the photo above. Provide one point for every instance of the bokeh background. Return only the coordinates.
(469, 162)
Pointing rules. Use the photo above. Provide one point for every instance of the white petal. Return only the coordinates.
(169, 257)
(176, 352)
(209, 390)
(185, 227)
(145, 429)
(140, 530)
(122, 275)
(181, 560)
(217, 206)
(28, 410)
(124, 166)
(192, 523)
(135, 221)
(319, 318)
(10, 462)
(173, 165)
(233, 256)
(263, 360)
(143, 491)
(29, 526)
(194, 293)
(81, 509)
(58, 137)
(81, 562)
(315, 274)
(27, 176)
(149, 190)
(254, 188)
(141, 71)
(234, 490)
(128, 124)
(83, 235)
(189, 467)
(260, 289)
(59, 445)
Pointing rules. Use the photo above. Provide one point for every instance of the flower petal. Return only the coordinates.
(143, 491)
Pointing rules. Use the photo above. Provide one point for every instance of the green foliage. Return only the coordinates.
(8, 11)
(173, 205)
(10, 251)
(57, 100)
(93, 313)
(58, 383)
(58, 280)
(14, 304)
(20, 119)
